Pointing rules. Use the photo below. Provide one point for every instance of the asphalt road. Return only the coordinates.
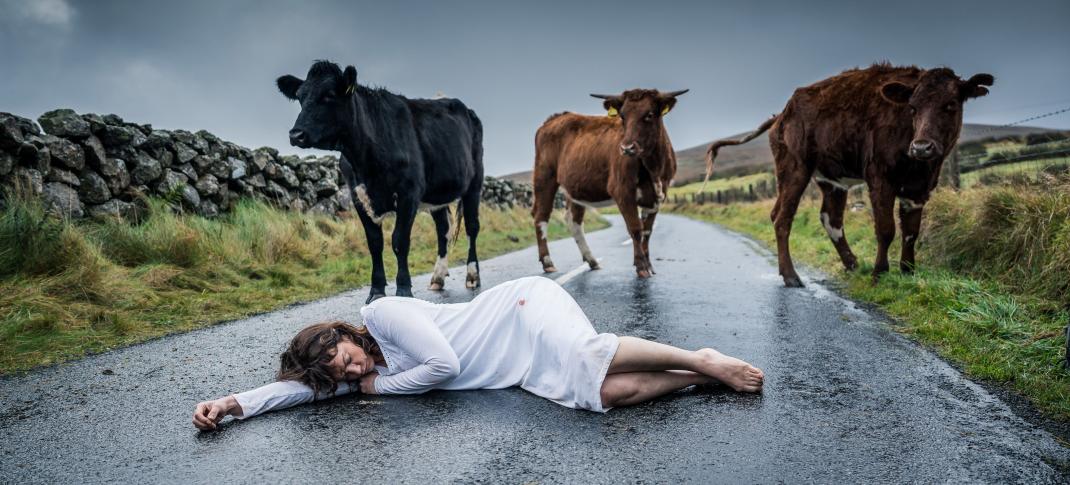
(846, 399)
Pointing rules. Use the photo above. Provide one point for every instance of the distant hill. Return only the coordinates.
(755, 156)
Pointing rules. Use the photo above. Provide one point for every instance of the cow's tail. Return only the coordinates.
(455, 224)
(711, 152)
(477, 158)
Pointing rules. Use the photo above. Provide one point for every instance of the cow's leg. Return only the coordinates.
(400, 240)
(910, 221)
(442, 265)
(575, 225)
(470, 206)
(792, 178)
(833, 204)
(374, 234)
(883, 200)
(629, 209)
(648, 216)
(545, 189)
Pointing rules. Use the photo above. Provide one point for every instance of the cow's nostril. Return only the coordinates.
(297, 136)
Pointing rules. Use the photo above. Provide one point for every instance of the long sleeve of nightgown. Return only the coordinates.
(415, 334)
(280, 395)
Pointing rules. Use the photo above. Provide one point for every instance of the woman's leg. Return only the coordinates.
(638, 355)
(635, 387)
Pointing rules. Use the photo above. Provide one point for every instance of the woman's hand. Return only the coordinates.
(208, 414)
(367, 382)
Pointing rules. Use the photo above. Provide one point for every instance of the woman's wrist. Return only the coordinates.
(233, 406)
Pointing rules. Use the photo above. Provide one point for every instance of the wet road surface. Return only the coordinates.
(846, 399)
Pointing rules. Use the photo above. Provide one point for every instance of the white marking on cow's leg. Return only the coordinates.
(581, 241)
(834, 233)
(442, 270)
(910, 205)
(644, 212)
(472, 279)
(542, 230)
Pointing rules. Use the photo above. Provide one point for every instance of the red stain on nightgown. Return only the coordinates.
(521, 302)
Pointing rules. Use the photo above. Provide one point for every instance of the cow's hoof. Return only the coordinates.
(375, 294)
(404, 291)
(471, 284)
(436, 286)
(594, 264)
(643, 273)
(850, 264)
(906, 268)
(549, 269)
(793, 282)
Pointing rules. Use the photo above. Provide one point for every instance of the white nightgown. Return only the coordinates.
(527, 332)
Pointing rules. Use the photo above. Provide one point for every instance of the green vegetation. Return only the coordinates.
(726, 183)
(69, 288)
(1014, 172)
(992, 286)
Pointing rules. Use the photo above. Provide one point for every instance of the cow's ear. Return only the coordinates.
(975, 86)
(612, 106)
(288, 85)
(349, 79)
(897, 92)
(667, 105)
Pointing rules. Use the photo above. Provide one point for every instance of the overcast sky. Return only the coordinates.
(212, 65)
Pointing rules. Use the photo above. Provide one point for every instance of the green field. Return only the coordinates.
(1029, 169)
(723, 184)
(67, 289)
(991, 290)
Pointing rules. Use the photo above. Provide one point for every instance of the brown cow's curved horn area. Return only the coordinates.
(604, 96)
(675, 93)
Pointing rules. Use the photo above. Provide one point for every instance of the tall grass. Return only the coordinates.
(67, 288)
(1018, 236)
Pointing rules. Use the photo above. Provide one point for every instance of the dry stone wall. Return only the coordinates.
(102, 166)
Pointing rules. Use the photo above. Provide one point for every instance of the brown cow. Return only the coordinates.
(889, 126)
(626, 157)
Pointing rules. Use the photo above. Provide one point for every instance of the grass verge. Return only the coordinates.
(67, 288)
(991, 292)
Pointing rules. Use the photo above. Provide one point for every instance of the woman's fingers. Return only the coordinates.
(203, 417)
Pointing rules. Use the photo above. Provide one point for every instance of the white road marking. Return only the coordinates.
(626, 242)
(561, 280)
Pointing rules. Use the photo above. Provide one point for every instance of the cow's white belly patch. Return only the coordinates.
(842, 183)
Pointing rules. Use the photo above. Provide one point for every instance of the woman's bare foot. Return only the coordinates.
(734, 373)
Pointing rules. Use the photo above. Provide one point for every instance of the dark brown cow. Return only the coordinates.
(889, 126)
(626, 157)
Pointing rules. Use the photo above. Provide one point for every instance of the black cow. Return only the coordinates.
(399, 155)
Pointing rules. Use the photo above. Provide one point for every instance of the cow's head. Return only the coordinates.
(325, 107)
(935, 102)
(641, 112)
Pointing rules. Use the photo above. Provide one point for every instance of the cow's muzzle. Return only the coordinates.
(923, 150)
(298, 138)
(632, 149)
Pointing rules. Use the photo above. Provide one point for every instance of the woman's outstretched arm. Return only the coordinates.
(243, 405)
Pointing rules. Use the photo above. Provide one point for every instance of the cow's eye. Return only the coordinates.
(649, 116)
(950, 107)
(913, 110)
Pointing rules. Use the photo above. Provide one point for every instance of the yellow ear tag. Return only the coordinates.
(612, 113)
(665, 111)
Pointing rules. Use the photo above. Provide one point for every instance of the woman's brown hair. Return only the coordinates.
(307, 358)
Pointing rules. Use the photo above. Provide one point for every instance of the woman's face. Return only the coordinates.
(350, 362)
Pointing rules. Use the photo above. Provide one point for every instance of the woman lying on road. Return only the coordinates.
(527, 332)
